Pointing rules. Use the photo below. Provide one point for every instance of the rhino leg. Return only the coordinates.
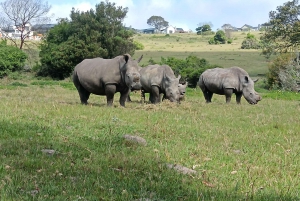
(123, 97)
(128, 99)
(228, 93)
(154, 95)
(238, 97)
(83, 94)
(110, 91)
(208, 96)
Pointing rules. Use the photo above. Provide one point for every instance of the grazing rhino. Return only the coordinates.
(156, 79)
(106, 77)
(226, 82)
(182, 90)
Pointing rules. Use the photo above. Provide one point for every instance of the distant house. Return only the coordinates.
(169, 30)
(16, 31)
(180, 30)
(42, 28)
(148, 31)
(247, 27)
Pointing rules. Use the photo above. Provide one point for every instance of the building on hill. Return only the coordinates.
(247, 27)
(180, 30)
(16, 31)
(42, 28)
(169, 30)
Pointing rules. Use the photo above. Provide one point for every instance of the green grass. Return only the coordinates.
(240, 152)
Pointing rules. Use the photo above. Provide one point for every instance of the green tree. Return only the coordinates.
(283, 32)
(204, 28)
(11, 59)
(157, 22)
(94, 33)
(219, 38)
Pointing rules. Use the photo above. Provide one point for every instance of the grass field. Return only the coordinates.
(239, 152)
(183, 45)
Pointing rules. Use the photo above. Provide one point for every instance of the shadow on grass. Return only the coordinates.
(86, 167)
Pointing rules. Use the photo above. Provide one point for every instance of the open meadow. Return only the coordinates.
(54, 148)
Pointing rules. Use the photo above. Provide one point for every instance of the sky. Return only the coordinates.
(186, 14)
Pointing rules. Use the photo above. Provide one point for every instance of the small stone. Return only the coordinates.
(181, 169)
(48, 151)
(136, 139)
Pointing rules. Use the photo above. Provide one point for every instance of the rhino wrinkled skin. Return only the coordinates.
(106, 77)
(226, 81)
(156, 79)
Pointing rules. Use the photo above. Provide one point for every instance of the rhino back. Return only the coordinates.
(217, 79)
(94, 74)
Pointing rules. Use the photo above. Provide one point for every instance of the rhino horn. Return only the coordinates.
(140, 58)
(255, 80)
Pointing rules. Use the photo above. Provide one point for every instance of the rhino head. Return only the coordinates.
(171, 88)
(182, 89)
(131, 70)
(248, 91)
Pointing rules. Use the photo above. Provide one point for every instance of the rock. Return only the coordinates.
(48, 151)
(181, 169)
(135, 139)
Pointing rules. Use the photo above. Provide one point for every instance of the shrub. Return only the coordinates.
(138, 45)
(190, 68)
(251, 42)
(11, 59)
(284, 73)
(219, 38)
(229, 41)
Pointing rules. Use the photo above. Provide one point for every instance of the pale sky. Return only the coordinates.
(186, 14)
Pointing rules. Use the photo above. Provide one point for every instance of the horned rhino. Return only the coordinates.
(157, 79)
(106, 77)
(226, 82)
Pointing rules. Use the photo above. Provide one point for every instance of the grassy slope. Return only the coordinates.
(183, 45)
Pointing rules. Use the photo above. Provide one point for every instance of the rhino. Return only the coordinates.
(226, 81)
(182, 90)
(106, 77)
(156, 79)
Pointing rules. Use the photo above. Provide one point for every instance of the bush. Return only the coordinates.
(138, 45)
(284, 73)
(190, 68)
(251, 42)
(11, 59)
(219, 38)
(229, 41)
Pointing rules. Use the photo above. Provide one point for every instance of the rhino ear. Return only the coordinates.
(126, 57)
(246, 79)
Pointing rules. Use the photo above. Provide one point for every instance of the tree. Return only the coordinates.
(204, 28)
(19, 14)
(283, 31)
(157, 22)
(11, 59)
(98, 32)
(219, 38)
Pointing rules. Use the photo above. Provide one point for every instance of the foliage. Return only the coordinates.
(250, 42)
(219, 38)
(190, 68)
(282, 32)
(138, 45)
(157, 22)
(19, 13)
(284, 73)
(202, 29)
(98, 32)
(11, 59)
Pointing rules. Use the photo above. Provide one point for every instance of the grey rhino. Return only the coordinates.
(156, 79)
(106, 77)
(182, 90)
(226, 82)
